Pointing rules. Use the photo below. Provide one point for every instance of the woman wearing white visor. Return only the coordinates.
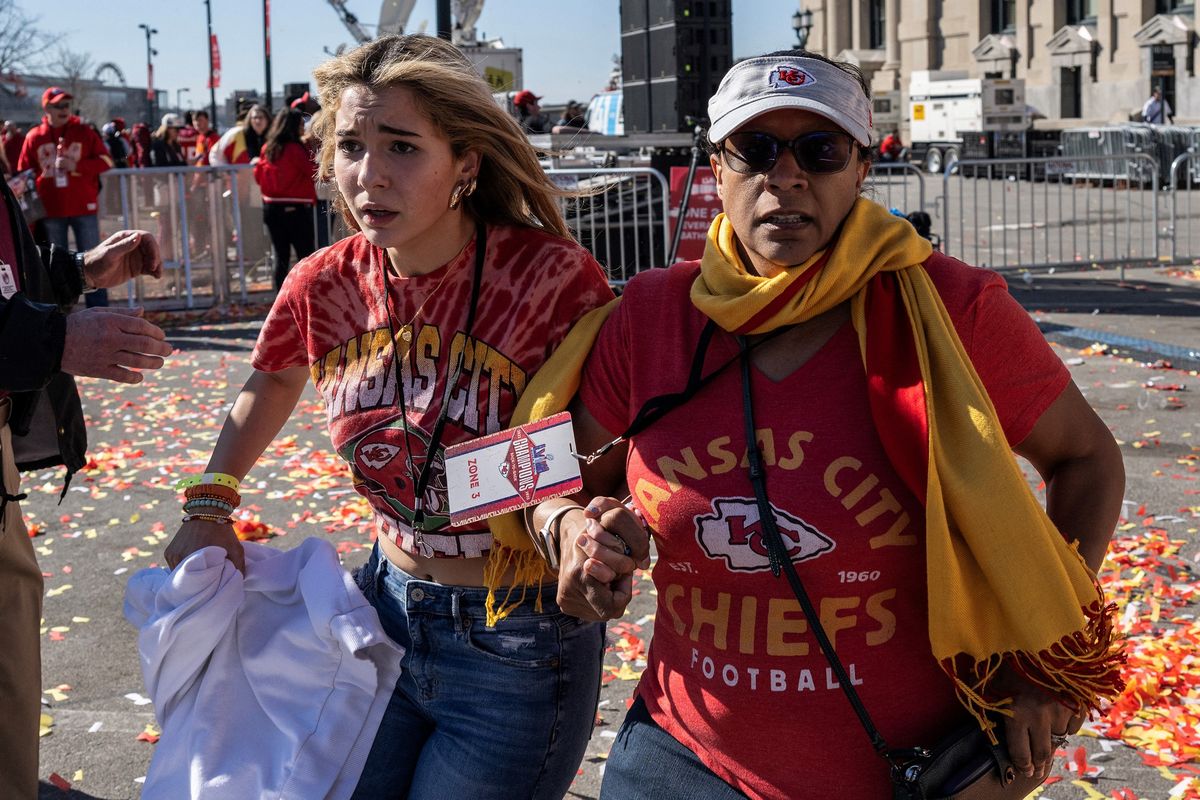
(821, 362)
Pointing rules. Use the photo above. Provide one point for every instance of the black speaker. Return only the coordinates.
(635, 106)
(292, 91)
(673, 56)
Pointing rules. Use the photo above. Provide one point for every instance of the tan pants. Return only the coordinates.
(20, 641)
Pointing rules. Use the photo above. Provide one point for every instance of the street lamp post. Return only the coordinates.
(267, 50)
(150, 53)
(802, 22)
(212, 88)
(179, 97)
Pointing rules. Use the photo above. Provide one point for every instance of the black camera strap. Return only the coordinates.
(658, 406)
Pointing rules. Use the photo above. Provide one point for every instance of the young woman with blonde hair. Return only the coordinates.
(421, 330)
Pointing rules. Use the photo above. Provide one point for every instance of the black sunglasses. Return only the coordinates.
(819, 152)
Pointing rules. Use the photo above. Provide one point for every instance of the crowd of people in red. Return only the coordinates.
(66, 176)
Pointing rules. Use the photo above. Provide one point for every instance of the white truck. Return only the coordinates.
(501, 67)
(942, 106)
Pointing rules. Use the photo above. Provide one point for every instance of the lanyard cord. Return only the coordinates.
(657, 407)
(421, 480)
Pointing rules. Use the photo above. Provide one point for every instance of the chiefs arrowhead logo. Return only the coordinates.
(379, 464)
(377, 455)
(784, 75)
(733, 532)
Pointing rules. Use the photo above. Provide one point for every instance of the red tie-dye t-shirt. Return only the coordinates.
(331, 317)
(734, 671)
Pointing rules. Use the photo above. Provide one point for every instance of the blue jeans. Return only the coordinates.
(647, 763)
(87, 236)
(479, 712)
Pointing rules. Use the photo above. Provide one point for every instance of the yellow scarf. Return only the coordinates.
(1003, 584)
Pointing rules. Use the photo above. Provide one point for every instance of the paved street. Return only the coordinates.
(120, 512)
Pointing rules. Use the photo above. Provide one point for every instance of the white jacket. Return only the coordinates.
(271, 686)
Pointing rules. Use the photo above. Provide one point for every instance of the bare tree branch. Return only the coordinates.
(77, 70)
(24, 47)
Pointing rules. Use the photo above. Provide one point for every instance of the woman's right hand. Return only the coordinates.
(197, 534)
(599, 556)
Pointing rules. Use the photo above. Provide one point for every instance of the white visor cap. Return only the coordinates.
(759, 85)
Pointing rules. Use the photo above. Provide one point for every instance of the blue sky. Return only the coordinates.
(568, 44)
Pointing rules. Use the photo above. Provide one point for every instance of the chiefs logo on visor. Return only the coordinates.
(784, 75)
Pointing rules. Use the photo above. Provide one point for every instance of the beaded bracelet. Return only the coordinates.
(209, 501)
(207, 518)
(194, 505)
(234, 501)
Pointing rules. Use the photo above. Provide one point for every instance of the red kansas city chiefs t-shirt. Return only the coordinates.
(330, 316)
(734, 671)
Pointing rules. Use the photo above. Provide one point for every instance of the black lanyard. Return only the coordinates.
(421, 480)
(657, 407)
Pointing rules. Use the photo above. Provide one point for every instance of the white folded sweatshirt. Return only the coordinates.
(267, 686)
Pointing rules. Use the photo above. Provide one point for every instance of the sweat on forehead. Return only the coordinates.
(756, 86)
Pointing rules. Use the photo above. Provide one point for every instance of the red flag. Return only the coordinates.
(214, 78)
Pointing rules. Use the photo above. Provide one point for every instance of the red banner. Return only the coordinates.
(214, 78)
(703, 207)
(267, 31)
(150, 82)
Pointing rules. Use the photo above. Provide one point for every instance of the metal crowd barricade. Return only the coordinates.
(1183, 229)
(897, 185)
(208, 223)
(621, 216)
(1172, 141)
(1097, 152)
(1085, 213)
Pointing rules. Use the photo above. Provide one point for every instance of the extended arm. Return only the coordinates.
(1074, 452)
(258, 414)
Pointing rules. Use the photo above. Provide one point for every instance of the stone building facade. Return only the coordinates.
(1084, 62)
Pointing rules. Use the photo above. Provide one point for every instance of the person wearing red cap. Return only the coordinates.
(529, 112)
(67, 156)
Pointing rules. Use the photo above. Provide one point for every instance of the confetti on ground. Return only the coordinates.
(151, 734)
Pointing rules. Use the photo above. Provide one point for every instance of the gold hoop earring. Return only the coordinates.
(461, 192)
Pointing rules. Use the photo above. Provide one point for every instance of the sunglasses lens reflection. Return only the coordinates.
(820, 152)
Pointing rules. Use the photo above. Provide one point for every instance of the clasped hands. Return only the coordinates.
(604, 543)
(601, 546)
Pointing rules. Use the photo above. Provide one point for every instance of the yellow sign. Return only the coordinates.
(501, 80)
(918, 111)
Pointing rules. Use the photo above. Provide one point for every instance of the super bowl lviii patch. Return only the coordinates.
(512, 469)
